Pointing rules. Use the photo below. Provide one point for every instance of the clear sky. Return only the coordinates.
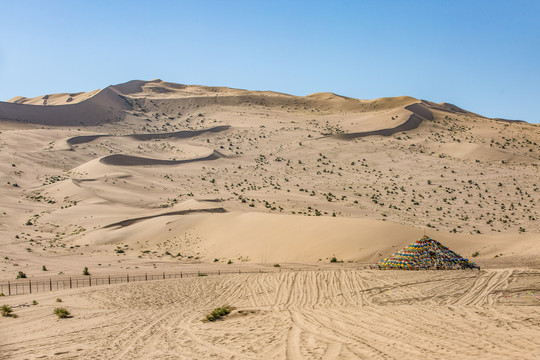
(483, 56)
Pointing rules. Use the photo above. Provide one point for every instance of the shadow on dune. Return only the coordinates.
(419, 114)
(184, 134)
(129, 222)
(129, 160)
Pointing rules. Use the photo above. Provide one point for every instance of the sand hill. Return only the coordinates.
(326, 174)
(151, 176)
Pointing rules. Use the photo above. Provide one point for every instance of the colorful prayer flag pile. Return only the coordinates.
(424, 254)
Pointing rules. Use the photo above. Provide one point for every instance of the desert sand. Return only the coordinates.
(151, 176)
(331, 314)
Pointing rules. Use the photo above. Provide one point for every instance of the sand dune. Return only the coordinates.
(153, 177)
(54, 99)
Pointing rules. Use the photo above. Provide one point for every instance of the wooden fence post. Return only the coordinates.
(146, 276)
(90, 281)
(30, 286)
(127, 277)
(163, 275)
(70, 284)
(50, 284)
(109, 279)
(9, 287)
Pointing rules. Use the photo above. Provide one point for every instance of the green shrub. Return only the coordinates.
(333, 259)
(218, 313)
(85, 271)
(276, 265)
(44, 268)
(229, 262)
(34, 302)
(6, 310)
(62, 313)
(475, 254)
(203, 274)
(58, 300)
(21, 275)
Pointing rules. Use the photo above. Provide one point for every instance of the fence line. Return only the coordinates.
(29, 286)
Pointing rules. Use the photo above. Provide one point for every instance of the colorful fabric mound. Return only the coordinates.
(424, 254)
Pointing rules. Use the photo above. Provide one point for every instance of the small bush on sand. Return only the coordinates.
(229, 262)
(218, 313)
(277, 265)
(475, 254)
(21, 275)
(62, 313)
(85, 271)
(44, 268)
(58, 300)
(7, 310)
(34, 302)
(333, 259)
(203, 274)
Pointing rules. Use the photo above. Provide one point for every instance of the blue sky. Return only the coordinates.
(483, 56)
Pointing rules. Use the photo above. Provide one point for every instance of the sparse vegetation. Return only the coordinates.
(7, 310)
(62, 313)
(475, 254)
(85, 271)
(21, 275)
(218, 313)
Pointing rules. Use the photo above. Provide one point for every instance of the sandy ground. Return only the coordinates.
(332, 314)
(150, 176)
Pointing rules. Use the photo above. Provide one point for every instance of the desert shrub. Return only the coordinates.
(333, 259)
(277, 265)
(475, 254)
(6, 310)
(216, 260)
(203, 274)
(44, 268)
(85, 271)
(58, 300)
(218, 313)
(229, 262)
(21, 275)
(34, 302)
(62, 313)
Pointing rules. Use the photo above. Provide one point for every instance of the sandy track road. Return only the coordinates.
(342, 314)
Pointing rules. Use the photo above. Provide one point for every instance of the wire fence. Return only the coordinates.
(29, 286)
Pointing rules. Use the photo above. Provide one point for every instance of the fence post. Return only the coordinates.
(219, 272)
(180, 274)
(109, 279)
(90, 281)
(9, 287)
(163, 275)
(70, 284)
(127, 277)
(146, 276)
(50, 284)
(30, 286)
